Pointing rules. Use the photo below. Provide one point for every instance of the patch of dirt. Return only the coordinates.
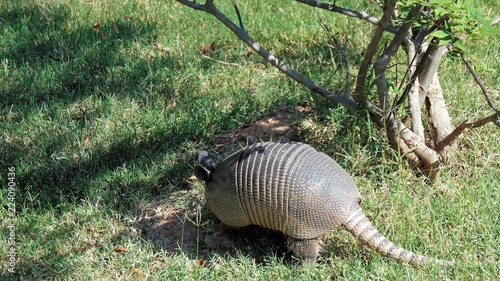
(193, 233)
(277, 125)
(171, 229)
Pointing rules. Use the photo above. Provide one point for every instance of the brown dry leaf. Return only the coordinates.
(260, 65)
(58, 250)
(204, 50)
(208, 49)
(203, 263)
(121, 250)
(249, 53)
(172, 105)
(86, 141)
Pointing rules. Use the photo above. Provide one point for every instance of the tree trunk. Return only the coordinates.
(438, 114)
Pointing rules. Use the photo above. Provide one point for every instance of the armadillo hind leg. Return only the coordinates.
(307, 249)
(359, 226)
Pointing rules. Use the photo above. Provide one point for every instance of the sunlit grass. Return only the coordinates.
(104, 105)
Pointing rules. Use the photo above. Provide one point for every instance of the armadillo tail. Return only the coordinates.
(359, 226)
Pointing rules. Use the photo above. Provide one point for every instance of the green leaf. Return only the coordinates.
(459, 45)
(441, 2)
(439, 34)
(490, 31)
(445, 40)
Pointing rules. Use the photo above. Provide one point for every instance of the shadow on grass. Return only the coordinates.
(190, 231)
(59, 64)
(58, 61)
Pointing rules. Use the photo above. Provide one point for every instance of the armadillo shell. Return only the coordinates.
(291, 188)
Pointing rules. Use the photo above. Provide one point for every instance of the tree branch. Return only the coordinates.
(495, 118)
(238, 14)
(399, 134)
(480, 83)
(343, 56)
(412, 89)
(347, 12)
(210, 8)
(409, 143)
(382, 62)
(194, 5)
(372, 49)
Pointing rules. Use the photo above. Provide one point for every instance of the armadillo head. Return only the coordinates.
(206, 166)
(220, 190)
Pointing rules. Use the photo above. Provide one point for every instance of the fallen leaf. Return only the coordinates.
(202, 263)
(121, 250)
(86, 141)
(261, 65)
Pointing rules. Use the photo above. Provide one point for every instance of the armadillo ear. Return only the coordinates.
(201, 173)
(206, 160)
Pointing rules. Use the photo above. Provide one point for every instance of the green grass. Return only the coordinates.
(104, 105)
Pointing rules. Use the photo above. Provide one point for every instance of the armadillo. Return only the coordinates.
(294, 189)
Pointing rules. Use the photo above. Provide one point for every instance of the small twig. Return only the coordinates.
(371, 50)
(382, 62)
(495, 118)
(210, 8)
(480, 83)
(416, 74)
(194, 5)
(343, 56)
(238, 13)
(347, 12)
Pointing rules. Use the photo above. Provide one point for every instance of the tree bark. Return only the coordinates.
(438, 115)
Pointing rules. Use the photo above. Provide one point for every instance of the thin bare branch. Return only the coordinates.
(343, 56)
(421, 66)
(238, 14)
(495, 118)
(347, 12)
(413, 92)
(372, 49)
(194, 5)
(480, 83)
(210, 8)
(381, 63)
